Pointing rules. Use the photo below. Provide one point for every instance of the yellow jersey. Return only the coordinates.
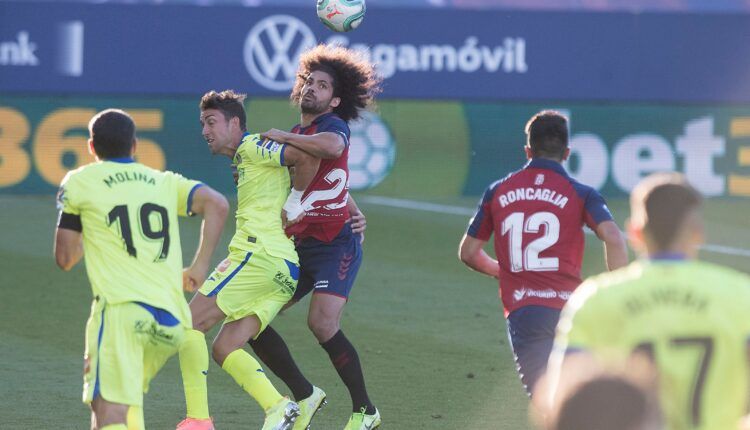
(691, 317)
(131, 237)
(263, 184)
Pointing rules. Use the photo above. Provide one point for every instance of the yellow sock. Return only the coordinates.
(247, 372)
(135, 418)
(194, 367)
(114, 427)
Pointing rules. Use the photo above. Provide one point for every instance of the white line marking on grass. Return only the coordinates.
(464, 211)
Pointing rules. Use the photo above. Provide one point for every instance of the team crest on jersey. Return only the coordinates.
(223, 266)
(539, 179)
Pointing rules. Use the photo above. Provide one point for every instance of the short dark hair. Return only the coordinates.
(228, 102)
(113, 133)
(606, 402)
(354, 79)
(660, 203)
(547, 134)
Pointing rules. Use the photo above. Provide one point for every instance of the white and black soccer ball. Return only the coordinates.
(372, 151)
(341, 15)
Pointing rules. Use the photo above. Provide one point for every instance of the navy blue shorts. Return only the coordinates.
(532, 332)
(329, 268)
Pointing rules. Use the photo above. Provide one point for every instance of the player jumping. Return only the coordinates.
(537, 215)
(260, 274)
(333, 84)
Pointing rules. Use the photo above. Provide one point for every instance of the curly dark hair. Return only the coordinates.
(355, 81)
(228, 102)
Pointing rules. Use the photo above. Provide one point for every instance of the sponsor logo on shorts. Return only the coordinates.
(285, 282)
(153, 330)
(549, 293)
(321, 284)
(223, 266)
(344, 264)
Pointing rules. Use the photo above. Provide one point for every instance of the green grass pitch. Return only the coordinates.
(430, 333)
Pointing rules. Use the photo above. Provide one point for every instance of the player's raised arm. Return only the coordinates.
(471, 252)
(615, 249)
(326, 145)
(214, 208)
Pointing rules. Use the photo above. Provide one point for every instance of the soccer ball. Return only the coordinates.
(341, 15)
(372, 151)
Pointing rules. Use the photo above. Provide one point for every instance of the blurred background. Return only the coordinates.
(648, 86)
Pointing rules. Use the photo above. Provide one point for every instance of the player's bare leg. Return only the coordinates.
(205, 312)
(106, 413)
(228, 353)
(324, 315)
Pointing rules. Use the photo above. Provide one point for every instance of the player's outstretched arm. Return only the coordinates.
(214, 208)
(68, 247)
(324, 145)
(471, 252)
(305, 168)
(615, 249)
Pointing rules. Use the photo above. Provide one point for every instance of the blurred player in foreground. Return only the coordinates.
(259, 276)
(689, 317)
(536, 215)
(123, 216)
(333, 84)
(595, 397)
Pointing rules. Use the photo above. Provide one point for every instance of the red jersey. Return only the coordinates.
(326, 197)
(537, 216)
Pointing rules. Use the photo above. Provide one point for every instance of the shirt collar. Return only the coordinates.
(123, 160)
(545, 163)
(317, 120)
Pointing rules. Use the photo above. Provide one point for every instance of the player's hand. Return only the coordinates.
(192, 278)
(359, 222)
(275, 134)
(286, 222)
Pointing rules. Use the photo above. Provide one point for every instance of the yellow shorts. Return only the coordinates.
(252, 284)
(126, 345)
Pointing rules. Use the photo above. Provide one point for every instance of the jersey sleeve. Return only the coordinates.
(480, 226)
(338, 126)
(66, 201)
(595, 209)
(69, 216)
(185, 190)
(262, 152)
(581, 320)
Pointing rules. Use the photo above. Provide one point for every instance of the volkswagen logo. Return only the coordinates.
(272, 49)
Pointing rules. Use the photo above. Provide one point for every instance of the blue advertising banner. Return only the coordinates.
(424, 54)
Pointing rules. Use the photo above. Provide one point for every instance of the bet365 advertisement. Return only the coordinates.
(407, 148)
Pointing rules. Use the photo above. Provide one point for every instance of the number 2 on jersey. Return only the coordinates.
(120, 213)
(527, 258)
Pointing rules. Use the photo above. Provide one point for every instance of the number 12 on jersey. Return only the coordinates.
(527, 258)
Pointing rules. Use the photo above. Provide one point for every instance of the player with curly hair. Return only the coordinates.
(333, 85)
